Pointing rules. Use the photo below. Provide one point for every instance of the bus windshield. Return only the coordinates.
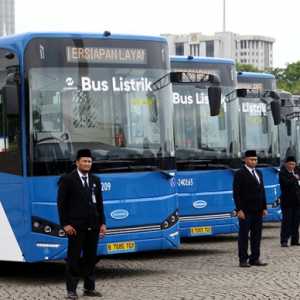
(110, 108)
(199, 137)
(256, 122)
(197, 134)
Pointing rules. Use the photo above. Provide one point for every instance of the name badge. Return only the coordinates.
(93, 194)
(94, 199)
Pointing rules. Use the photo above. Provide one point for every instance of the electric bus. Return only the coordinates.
(259, 118)
(206, 147)
(289, 130)
(60, 92)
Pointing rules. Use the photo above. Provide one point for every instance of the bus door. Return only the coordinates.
(12, 215)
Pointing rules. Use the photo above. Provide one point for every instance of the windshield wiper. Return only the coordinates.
(205, 164)
(196, 161)
(261, 165)
(106, 161)
(166, 173)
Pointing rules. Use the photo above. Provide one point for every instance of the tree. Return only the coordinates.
(289, 78)
(246, 68)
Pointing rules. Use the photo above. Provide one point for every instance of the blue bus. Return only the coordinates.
(206, 147)
(60, 92)
(259, 130)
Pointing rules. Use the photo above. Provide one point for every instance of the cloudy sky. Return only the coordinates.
(275, 18)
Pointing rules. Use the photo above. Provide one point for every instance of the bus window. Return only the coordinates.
(9, 114)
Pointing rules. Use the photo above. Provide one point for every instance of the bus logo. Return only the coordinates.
(119, 214)
(69, 81)
(200, 204)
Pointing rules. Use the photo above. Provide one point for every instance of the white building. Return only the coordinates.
(245, 49)
(7, 17)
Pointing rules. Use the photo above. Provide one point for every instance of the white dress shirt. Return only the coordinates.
(82, 175)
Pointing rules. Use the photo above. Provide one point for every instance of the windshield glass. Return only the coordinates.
(197, 134)
(199, 137)
(256, 122)
(257, 128)
(289, 128)
(112, 111)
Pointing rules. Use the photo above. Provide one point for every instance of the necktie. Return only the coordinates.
(85, 184)
(87, 189)
(253, 173)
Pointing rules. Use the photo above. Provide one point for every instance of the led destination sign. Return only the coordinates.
(107, 55)
(251, 86)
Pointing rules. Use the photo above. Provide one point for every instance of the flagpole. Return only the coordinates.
(224, 15)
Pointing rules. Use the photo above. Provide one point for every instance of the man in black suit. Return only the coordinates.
(250, 201)
(81, 213)
(289, 179)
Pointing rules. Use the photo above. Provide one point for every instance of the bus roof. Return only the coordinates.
(255, 75)
(202, 59)
(24, 38)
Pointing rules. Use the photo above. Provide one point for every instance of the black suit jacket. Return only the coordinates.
(75, 203)
(290, 189)
(248, 194)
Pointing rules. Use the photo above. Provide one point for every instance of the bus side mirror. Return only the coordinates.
(288, 124)
(214, 99)
(274, 95)
(241, 93)
(176, 77)
(153, 109)
(276, 112)
(10, 95)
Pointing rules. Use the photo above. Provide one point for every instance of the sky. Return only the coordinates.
(275, 18)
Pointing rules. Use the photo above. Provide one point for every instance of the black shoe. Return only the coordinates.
(295, 244)
(92, 293)
(244, 264)
(72, 295)
(284, 245)
(258, 263)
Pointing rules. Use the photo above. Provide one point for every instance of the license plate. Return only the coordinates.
(120, 247)
(201, 230)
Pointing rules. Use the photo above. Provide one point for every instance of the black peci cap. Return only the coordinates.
(84, 153)
(250, 153)
(290, 158)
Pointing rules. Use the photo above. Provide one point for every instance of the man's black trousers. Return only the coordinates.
(253, 225)
(81, 260)
(290, 225)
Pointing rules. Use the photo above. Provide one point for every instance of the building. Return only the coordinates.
(7, 17)
(245, 49)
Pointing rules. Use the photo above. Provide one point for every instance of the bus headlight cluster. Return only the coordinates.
(170, 221)
(43, 226)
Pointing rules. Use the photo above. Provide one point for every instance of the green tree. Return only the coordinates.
(246, 68)
(288, 78)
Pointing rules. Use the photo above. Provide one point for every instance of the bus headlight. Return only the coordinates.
(47, 229)
(36, 224)
(61, 233)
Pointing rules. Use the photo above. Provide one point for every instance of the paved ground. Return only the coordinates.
(201, 269)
